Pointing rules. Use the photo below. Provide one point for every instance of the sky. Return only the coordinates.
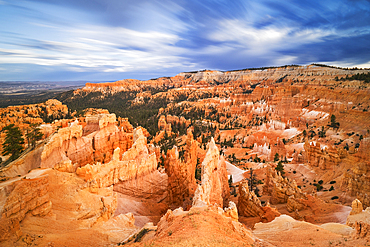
(108, 40)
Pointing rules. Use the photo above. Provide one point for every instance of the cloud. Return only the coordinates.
(108, 49)
(260, 41)
(153, 37)
(101, 45)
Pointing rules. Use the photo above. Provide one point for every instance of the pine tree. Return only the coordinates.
(333, 122)
(280, 168)
(33, 135)
(252, 180)
(13, 142)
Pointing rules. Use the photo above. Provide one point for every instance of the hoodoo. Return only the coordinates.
(208, 158)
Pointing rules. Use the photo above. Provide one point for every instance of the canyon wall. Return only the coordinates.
(181, 173)
(93, 143)
(21, 196)
(135, 162)
(208, 77)
(356, 181)
(323, 157)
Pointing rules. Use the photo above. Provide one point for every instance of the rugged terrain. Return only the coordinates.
(259, 157)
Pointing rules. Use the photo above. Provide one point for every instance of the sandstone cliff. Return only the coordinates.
(323, 157)
(249, 205)
(356, 180)
(135, 162)
(181, 173)
(19, 197)
(280, 188)
(93, 143)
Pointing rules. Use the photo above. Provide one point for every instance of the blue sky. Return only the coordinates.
(107, 40)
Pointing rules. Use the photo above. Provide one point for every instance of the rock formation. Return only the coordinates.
(231, 211)
(248, 202)
(280, 188)
(25, 115)
(181, 173)
(356, 180)
(214, 188)
(356, 207)
(20, 196)
(93, 143)
(134, 163)
(323, 157)
(362, 230)
(90, 201)
(249, 205)
(357, 214)
(359, 219)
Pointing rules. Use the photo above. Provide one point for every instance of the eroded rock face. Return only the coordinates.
(323, 157)
(362, 230)
(181, 173)
(25, 115)
(280, 188)
(356, 181)
(135, 162)
(356, 207)
(248, 202)
(17, 198)
(214, 187)
(249, 205)
(93, 143)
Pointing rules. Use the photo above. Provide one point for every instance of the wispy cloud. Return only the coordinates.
(102, 48)
(114, 37)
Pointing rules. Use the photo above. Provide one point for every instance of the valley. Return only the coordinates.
(273, 156)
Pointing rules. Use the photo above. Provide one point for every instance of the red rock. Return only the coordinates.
(248, 202)
(214, 188)
(94, 143)
(362, 230)
(30, 194)
(325, 158)
(181, 173)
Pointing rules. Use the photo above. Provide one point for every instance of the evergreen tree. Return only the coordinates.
(13, 142)
(333, 122)
(252, 180)
(230, 181)
(280, 168)
(33, 135)
(322, 133)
